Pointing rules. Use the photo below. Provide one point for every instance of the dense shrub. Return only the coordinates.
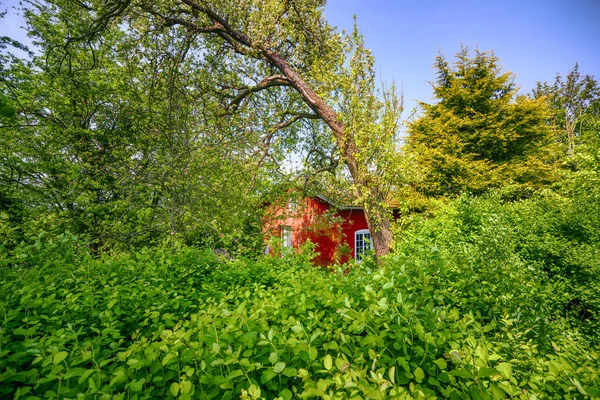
(190, 324)
(546, 249)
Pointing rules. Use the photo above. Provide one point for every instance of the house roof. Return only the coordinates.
(390, 203)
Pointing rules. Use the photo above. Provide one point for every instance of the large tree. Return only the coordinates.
(288, 50)
(479, 133)
(120, 137)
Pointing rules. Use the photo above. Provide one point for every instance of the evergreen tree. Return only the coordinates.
(479, 133)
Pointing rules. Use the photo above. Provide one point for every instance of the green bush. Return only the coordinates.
(190, 324)
(545, 249)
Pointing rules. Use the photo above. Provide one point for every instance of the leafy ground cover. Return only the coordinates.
(188, 324)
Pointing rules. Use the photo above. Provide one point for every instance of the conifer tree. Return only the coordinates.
(479, 133)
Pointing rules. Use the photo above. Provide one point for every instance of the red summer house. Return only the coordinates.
(339, 232)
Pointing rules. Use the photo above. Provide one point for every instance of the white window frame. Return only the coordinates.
(363, 245)
(286, 236)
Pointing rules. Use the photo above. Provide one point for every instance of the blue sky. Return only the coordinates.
(535, 39)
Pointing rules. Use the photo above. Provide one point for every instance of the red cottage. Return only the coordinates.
(340, 232)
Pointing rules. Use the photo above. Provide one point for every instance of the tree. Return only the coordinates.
(479, 133)
(118, 139)
(575, 116)
(289, 51)
(575, 105)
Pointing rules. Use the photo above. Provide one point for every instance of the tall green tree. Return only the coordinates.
(287, 52)
(120, 137)
(575, 117)
(479, 133)
(238, 81)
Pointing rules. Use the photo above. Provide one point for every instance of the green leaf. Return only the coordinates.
(235, 373)
(328, 362)
(273, 357)
(20, 332)
(399, 298)
(286, 394)
(505, 369)
(441, 364)
(58, 357)
(279, 367)
(392, 374)
(216, 347)
(174, 389)
(460, 372)
(85, 375)
(165, 360)
(419, 375)
(484, 371)
(497, 393)
(186, 387)
(254, 391)
(74, 372)
(268, 375)
(136, 385)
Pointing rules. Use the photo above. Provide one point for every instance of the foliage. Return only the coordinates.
(542, 251)
(480, 134)
(192, 325)
(575, 106)
(113, 143)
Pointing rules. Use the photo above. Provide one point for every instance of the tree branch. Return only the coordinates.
(271, 81)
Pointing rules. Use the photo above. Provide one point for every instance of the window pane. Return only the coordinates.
(362, 243)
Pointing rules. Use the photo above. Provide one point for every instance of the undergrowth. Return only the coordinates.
(190, 324)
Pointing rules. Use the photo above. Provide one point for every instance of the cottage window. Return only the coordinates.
(286, 236)
(362, 243)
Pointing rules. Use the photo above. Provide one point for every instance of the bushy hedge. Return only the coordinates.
(190, 324)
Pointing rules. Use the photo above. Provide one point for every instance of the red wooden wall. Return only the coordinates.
(314, 219)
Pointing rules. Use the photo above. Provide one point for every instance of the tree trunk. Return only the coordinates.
(374, 207)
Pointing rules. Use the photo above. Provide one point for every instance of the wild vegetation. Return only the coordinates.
(140, 142)
(482, 322)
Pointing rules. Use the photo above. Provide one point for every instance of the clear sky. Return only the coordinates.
(535, 39)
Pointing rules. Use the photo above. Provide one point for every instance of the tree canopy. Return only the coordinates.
(480, 133)
(154, 113)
